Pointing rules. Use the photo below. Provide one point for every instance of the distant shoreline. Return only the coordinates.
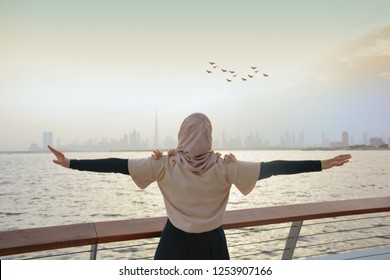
(368, 148)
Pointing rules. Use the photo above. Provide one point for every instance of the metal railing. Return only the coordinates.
(248, 221)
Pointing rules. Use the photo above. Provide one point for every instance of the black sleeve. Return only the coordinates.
(285, 167)
(109, 165)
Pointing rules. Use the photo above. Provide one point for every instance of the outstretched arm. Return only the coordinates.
(283, 167)
(109, 165)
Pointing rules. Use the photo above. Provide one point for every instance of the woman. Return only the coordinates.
(195, 183)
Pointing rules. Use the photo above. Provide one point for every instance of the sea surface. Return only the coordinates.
(34, 192)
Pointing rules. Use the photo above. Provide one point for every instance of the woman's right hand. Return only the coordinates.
(61, 159)
(336, 161)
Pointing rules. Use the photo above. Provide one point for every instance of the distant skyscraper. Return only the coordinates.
(155, 142)
(47, 139)
(345, 139)
(376, 141)
(365, 138)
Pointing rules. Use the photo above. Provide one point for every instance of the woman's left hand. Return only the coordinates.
(61, 158)
(157, 154)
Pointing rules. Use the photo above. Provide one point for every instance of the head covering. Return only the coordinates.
(194, 149)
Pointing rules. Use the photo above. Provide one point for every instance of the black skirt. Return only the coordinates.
(176, 244)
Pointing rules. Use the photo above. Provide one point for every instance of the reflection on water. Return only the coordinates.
(37, 193)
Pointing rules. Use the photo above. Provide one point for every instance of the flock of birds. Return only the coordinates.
(233, 74)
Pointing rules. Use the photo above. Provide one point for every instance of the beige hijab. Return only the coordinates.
(194, 149)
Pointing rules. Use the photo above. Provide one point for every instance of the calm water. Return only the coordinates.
(36, 193)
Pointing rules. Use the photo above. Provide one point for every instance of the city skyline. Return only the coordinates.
(252, 140)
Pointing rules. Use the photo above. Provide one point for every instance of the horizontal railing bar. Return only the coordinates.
(335, 253)
(373, 255)
(145, 258)
(261, 252)
(232, 246)
(58, 255)
(337, 220)
(308, 211)
(257, 242)
(335, 231)
(48, 238)
(338, 241)
(114, 248)
(255, 229)
(126, 246)
(239, 234)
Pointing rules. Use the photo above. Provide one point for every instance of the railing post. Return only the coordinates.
(93, 252)
(292, 240)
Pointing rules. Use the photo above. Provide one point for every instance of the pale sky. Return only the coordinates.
(93, 69)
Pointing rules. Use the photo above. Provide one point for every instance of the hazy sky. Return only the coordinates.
(93, 69)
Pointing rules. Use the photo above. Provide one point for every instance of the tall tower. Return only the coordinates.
(345, 138)
(155, 141)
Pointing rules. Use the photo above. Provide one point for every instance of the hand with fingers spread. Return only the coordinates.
(336, 161)
(61, 159)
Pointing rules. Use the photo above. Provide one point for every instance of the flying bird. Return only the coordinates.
(255, 72)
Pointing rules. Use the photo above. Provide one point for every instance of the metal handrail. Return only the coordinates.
(332, 236)
(66, 236)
